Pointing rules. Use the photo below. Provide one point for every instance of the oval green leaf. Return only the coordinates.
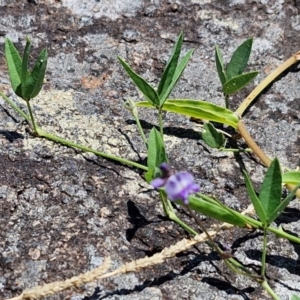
(255, 200)
(156, 153)
(239, 59)
(147, 90)
(237, 83)
(198, 109)
(35, 79)
(14, 64)
(270, 191)
(170, 68)
(214, 211)
(25, 73)
(283, 204)
(292, 177)
(178, 72)
(220, 65)
(212, 137)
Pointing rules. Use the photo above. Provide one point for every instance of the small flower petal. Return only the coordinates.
(180, 185)
(195, 188)
(166, 170)
(158, 182)
(177, 186)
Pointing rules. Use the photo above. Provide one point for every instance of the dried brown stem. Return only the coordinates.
(261, 155)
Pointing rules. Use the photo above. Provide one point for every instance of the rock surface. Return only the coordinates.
(62, 211)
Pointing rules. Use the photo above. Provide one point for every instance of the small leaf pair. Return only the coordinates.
(212, 137)
(268, 204)
(171, 74)
(25, 84)
(231, 78)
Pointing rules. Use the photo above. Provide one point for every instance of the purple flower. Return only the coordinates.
(177, 186)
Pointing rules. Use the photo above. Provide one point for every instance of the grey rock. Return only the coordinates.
(62, 211)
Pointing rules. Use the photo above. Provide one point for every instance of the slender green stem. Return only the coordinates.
(161, 123)
(252, 222)
(57, 139)
(199, 223)
(236, 267)
(264, 254)
(31, 117)
(186, 227)
(227, 101)
(232, 264)
(266, 286)
(235, 150)
(166, 206)
(131, 106)
(14, 106)
(138, 123)
(279, 232)
(170, 213)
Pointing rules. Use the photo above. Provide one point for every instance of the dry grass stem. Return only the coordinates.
(134, 266)
(98, 273)
(159, 258)
(59, 286)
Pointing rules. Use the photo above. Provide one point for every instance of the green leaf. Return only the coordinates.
(270, 191)
(292, 177)
(212, 137)
(237, 83)
(199, 109)
(35, 79)
(239, 59)
(25, 84)
(14, 64)
(255, 200)
(280, 208)
(295, 297)
(171, 66)
(25, 73)
(147, 90)
(212, 210)
(156, 154)
(220, 65)
(248, 221)
(178, 72)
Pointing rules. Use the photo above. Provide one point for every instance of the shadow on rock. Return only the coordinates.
(156, 282)
(11, 135)
(228, 288)
(292, 265)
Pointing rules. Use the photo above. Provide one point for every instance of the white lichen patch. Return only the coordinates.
(57, 114)
(201, 1)
(134, 185)
(227, 166)
(107, 8)
(217, 19)
(171, 141)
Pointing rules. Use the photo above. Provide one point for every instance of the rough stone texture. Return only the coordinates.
(63, 211)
